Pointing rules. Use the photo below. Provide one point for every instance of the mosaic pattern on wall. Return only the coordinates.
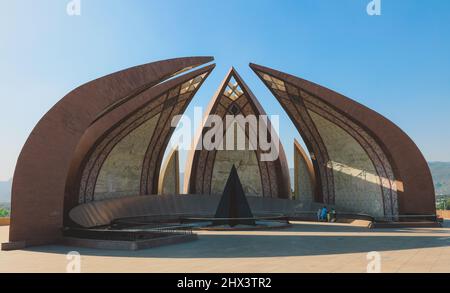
(354, 172)
(97, 181)
(207, 169)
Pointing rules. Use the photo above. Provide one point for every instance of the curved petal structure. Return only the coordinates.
(126, 156)
(362, 161)
(79, 123)
(103, 144)
(207, 170)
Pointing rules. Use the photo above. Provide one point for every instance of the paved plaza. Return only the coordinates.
(305, 247)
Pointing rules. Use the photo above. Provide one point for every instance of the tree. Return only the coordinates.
(4, 213)
(443, 204)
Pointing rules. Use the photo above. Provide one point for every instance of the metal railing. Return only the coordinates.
(258, 217)
(142, 232)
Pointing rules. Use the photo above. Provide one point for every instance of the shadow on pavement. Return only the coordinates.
(278, 244)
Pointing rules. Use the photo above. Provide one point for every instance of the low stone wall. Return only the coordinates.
(443, 214)
(5, 221)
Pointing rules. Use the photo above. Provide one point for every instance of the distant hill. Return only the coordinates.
(441, 176)
(5, 191)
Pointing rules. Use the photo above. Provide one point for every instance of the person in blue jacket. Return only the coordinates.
(323, 216)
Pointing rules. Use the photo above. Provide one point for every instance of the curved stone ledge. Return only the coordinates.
(101, 213)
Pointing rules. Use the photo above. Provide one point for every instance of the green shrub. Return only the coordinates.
(443, 204)
(4, 213)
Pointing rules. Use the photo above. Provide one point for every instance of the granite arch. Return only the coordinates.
(382, 157)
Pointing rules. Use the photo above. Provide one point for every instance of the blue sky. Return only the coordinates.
(397, 64)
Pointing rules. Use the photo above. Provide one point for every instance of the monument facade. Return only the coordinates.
(105, 141)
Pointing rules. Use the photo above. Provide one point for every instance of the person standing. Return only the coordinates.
(333, 216)
(324, 213)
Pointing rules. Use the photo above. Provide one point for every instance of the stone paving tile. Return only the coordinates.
(306, 247)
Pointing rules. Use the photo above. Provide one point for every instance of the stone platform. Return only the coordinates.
(305, 247)
(128, 245)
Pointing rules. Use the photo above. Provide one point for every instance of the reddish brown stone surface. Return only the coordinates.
(416, 193)
(47, 177)
(42, 168)
(105, 133)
